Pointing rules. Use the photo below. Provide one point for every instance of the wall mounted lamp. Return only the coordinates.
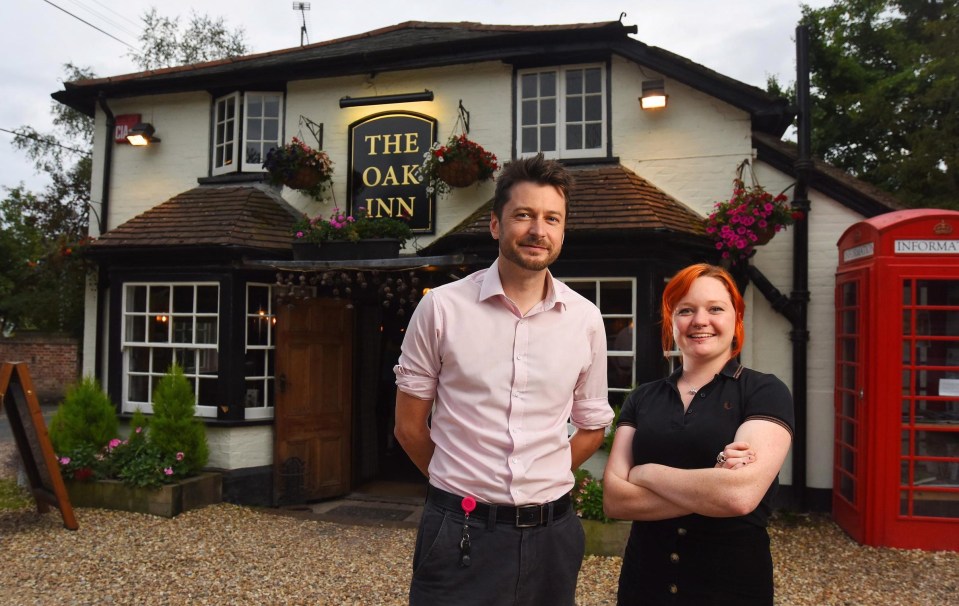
(426, 95)
(654, 94)
(142, 134)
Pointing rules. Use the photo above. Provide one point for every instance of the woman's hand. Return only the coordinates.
(735, 456)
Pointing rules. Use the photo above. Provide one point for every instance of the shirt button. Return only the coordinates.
(702, 394)
(681, 532)
(515, 460)
(673, 588)
(674, 558)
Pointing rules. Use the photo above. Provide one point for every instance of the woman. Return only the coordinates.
(699, 535)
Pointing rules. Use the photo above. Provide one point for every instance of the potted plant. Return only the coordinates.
(750, 218)
(346, 236)
(459, 163)
(604, 536)
(299, 166)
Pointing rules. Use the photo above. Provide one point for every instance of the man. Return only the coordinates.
(501, 360)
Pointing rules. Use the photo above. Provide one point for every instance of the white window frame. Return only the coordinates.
(561, 124)
(611, 354)
(264, 144)
(262, 410)
(199, 349)
(230, 134)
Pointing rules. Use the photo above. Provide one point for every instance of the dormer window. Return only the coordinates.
(561, 111)
(247, 123)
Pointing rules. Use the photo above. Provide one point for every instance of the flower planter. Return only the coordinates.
(347, 250)
(606, 538)
(168, 500)
(305, 177)
(458, 173)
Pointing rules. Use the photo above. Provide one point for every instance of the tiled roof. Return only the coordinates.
(231, 216)
(605, 199)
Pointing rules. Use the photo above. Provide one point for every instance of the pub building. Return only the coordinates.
(292, 359)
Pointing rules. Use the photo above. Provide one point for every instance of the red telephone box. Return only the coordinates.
(896, 447)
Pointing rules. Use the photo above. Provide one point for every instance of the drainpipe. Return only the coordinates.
(101, 320)
(799, 297)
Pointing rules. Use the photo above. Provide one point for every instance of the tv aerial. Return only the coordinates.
(302, 7)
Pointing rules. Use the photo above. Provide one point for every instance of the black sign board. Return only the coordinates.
(19, 401)
(386, 151)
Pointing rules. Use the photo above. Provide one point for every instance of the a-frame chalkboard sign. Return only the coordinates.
(19, 400)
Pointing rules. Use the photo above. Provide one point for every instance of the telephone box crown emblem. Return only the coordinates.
(942, 228)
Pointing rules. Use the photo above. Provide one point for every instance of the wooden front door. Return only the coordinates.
(314, 380)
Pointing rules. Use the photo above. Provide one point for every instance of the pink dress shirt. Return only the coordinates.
(504, 385)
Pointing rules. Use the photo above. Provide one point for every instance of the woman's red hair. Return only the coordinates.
(680, 284)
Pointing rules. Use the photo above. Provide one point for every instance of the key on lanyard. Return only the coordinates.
(468, 504)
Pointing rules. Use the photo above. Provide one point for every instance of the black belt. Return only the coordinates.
(527, 516)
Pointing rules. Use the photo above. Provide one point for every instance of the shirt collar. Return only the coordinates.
(492, 286)
(732, 370)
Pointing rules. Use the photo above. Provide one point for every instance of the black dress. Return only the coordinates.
(696, 559)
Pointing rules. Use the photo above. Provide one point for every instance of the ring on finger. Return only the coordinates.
(721, 457)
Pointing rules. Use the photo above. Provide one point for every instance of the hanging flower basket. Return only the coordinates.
(459, 163)
(305, 177)
(299, 166)
(459, 173)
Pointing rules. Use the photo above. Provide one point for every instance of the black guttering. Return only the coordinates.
(102, 218)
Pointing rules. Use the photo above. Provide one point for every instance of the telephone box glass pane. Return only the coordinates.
(847, 488)
(906, 382)
(848, 349)
(906, 322)
(935, 504)
(907, 292)
(937, 444)
(937, 412)
(938, 322)
(850, 291)
(848, 432)
(849, 404)
(848, 460)
(906, 448)
(907, 352)
(938, 353)
(849, 318)
(937, 292)
(849, 376)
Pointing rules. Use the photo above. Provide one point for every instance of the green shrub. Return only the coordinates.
(587, 495)
(608, 439)
(174, 429)
(86, 417)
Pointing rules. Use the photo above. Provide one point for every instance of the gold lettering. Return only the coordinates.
(372, 139)
(412, 143)
(366, 180)
(406, 208)
(391, 144)
(388, 208)
(390, 178)
(384, 208)
(409, 176)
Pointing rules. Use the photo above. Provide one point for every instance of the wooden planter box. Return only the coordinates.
(606, 538)
(168, 500)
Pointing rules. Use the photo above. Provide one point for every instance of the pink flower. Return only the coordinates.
(179, 456)
(139, 429)
(168, 471)
(114, 443)
(299, 234)
(64, 460)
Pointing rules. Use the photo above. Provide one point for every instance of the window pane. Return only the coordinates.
(937, 444)
(162, 360)
(529, 113)
(253, 155)
(271, 106)
(907, 292)
(186, 358)
(159, 332)
(137, 298)
(254, 105)
(849, 319)
(254, 130)
(206, 299)
(594, 82)
(139, 359)
(182, 330)
(547, 138)
(594, 107)
(931, 504)
(574, 109)
(138, 389)
(136, 329)
(849, 293)
(586, 289)
(253, 396)
(617, 297)
(254, 364)
(271, 131)
(258, 299)
(906, 322)
(257, 330)
(940, 322)
(848, 349)
(574, 136)
(849, 404)
(528, 85)
(848, 376)
(620, 372)
(937, 353)
(547, 84)
(209, 395)
(574, 82)
(547, 108)
(159, 299)
(206, 330)
(594, 136)
(937, 412)
(529, 140)
(937, 292)
(183, 299)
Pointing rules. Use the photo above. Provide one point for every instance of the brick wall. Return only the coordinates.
(52, 359)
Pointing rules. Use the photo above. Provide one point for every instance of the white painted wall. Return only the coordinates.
(240, 447)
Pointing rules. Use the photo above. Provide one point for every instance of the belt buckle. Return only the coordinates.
(529, 516)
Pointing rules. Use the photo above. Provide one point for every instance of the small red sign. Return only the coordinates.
(123, 125)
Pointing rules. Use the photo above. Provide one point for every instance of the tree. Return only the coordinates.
(885, 94)
(163, 44)
(175, 427)
(42, 274)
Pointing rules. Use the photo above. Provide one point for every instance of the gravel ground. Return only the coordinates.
(226, 554)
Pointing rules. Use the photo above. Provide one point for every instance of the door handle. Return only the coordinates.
(282, 382)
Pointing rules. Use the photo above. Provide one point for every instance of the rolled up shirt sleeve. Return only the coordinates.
(417, 370)
(591, 409)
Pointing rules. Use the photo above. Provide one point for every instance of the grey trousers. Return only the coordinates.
(508, 565)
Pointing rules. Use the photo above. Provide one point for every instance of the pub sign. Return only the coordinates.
(386, 151)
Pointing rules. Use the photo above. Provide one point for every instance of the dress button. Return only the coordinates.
(673, 588)
(681, 532)
(674, 558)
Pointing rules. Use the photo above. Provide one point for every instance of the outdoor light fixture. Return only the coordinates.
(426, 95)
(654, 94)
(142, 134)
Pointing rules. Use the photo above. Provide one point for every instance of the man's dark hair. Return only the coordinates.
(535, 169)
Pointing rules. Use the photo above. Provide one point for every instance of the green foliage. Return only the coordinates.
(175, 428)
(164, 44)
(885, 80)
(587, 496)
(85, 418)
(608, 438)
(12, 496)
